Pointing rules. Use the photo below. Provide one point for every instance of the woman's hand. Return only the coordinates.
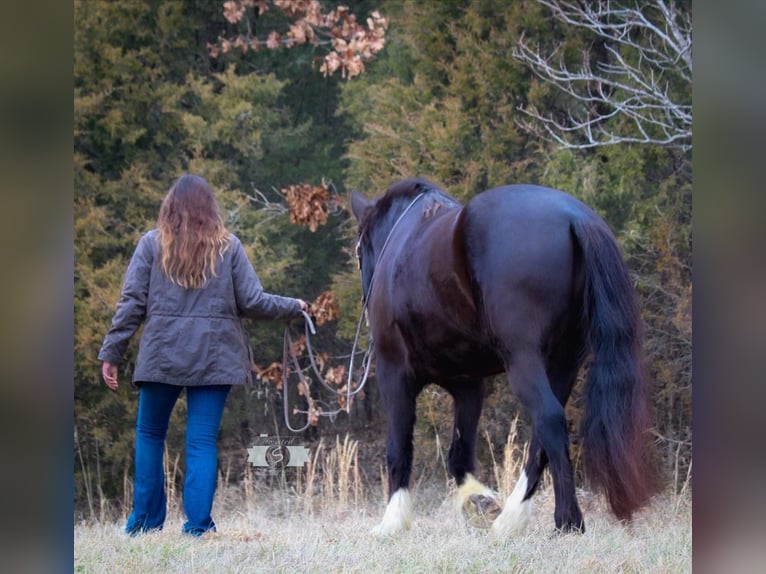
(109, 371)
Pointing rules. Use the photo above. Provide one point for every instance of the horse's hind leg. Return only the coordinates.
(550, 444)
(399, 394)
(474, 499)
(562, 375)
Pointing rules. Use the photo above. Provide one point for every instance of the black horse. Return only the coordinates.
(524, 280)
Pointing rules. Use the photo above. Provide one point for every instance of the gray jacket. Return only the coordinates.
(191, 336)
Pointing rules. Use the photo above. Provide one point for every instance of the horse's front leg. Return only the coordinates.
(399, 393)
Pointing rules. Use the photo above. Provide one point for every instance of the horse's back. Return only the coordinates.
(526, 222)
(525, 201)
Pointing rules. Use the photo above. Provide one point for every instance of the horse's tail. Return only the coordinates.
(616, 419)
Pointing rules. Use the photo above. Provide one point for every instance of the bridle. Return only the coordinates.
(289, 349)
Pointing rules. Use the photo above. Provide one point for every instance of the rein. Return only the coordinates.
(289, 350)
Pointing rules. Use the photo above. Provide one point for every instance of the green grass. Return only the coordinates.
(269, 532)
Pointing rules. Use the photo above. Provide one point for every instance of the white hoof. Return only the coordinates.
(398, 515)
(516, 512)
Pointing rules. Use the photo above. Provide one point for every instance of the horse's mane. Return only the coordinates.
(403, 191)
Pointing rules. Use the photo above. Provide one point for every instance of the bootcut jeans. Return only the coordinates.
(204, 410)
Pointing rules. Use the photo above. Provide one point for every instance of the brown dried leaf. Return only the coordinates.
(309, 205)
(336, 375)
(301, 32)
(233, 11)
(325, 308)
(271, 374)
(274, 40)
(263, 6)
(314, 414)
(299, 345)
(321, 360)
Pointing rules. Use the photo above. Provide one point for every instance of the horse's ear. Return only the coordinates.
(359, 205)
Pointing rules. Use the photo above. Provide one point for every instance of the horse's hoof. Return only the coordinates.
(570, 528)
(387, 529)
(512, 520)
(481, 510)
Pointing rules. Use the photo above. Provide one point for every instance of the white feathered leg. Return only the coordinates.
(516, 512)
(398, 515)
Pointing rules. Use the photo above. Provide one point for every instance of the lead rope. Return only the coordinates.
(289, 349)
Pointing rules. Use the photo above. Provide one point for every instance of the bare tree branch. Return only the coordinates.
(645, 79)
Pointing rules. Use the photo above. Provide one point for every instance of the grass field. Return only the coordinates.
(276, 532)
(320, 520)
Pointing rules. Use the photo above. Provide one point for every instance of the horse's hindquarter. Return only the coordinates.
(519, 245)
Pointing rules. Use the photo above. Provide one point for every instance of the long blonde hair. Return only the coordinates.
(191, 232)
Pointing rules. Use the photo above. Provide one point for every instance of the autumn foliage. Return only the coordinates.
(272, 374)
(351, 43)
(325, 308)
(309, 204)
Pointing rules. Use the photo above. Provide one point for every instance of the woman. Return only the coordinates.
(191, 282)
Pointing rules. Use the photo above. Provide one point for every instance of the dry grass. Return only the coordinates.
(267, 539)
(321, 523)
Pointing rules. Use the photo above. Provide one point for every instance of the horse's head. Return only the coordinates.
(365, 249)
(377, 218)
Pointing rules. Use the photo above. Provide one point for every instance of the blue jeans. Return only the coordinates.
(204, 410)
